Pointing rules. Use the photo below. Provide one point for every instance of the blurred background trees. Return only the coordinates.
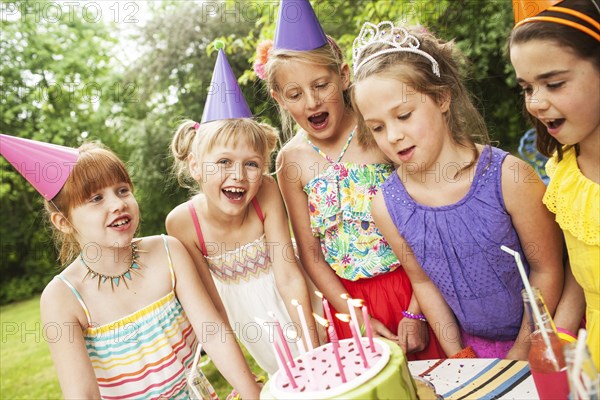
(70, 75)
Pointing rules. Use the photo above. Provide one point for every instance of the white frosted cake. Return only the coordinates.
(386, 377)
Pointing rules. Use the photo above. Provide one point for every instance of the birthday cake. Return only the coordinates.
(316, 374)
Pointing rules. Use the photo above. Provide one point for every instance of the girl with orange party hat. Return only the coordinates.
(556, 56)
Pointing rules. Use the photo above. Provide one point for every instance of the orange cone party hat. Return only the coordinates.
(563, 12)
(46, 166)
(530, 8)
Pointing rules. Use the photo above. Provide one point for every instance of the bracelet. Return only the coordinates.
(566, 335)
(409, 315)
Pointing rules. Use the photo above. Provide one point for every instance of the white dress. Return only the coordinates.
(246, 284)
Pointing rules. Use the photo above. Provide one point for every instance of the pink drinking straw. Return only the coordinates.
(284, 342)
(332, 337)
(305, 330)
(336, 352)
(286, 368)
(346, 318)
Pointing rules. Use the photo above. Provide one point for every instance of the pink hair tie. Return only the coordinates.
(196, 125)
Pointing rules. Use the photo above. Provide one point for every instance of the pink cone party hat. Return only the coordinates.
(298, 27)
(225, 99)
(46, 166)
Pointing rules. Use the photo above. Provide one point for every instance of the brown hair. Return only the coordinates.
(329, 56)
(263, 138)
(581, 44)
(463, 119)
(97, 167)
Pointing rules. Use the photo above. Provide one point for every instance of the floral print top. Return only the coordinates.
(339, 202)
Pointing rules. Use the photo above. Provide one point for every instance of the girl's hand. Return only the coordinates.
(413, 335)
(518, 352)
(380, 330)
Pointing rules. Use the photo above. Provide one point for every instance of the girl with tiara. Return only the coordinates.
(328, 178)
(454, 199)
(556, 56)
(236, 230)
(122, 318)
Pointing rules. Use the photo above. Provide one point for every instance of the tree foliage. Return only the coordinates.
(61, 84)
(56, 87)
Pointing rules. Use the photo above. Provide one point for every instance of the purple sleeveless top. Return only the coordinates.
(458, 246)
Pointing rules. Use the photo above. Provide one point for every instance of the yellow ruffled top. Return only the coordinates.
(574, 199)
(576, 202)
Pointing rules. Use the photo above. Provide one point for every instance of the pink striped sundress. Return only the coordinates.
(144, 355)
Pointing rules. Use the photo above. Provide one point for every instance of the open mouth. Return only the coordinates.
(233, 193)
(319, 120)
(406, 151)
(555, 123)
(120, 222)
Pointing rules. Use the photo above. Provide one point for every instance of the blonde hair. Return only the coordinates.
(97, 167)
(263, 138)
(463, 119)
(329, 56)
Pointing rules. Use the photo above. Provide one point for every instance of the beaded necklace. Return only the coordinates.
(116, 279)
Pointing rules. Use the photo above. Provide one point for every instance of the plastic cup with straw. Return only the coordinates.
(534, 306)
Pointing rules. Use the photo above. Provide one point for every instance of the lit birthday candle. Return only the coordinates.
(336, 352)
(346, 318)
(351, 309)
(366, 320)
(305, 330)
(333, 336)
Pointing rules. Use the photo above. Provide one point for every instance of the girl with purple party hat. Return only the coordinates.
(454, 199)
(328, 178)
(121, 317)
(236, 228)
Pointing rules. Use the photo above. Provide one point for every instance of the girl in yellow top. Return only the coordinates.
(556, 56)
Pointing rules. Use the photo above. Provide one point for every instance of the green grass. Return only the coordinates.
(26, 370)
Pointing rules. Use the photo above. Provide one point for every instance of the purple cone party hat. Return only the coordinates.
(298, 27)
(225, 99)
(46, 166)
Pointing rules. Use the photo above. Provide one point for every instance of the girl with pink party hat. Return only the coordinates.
(328, 178)
(236, 228)
(556, 56)
(454, 199)
(122, 317)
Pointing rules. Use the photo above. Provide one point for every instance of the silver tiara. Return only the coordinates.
(395, 36)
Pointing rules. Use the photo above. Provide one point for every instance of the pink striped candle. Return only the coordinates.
(336, 351)
(286, 368)
(367, 320)
(351, 309)
(284, 342)
(305, 330)
(333, 337)
(346, 318)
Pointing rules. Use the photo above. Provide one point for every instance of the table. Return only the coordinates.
(477, 378)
